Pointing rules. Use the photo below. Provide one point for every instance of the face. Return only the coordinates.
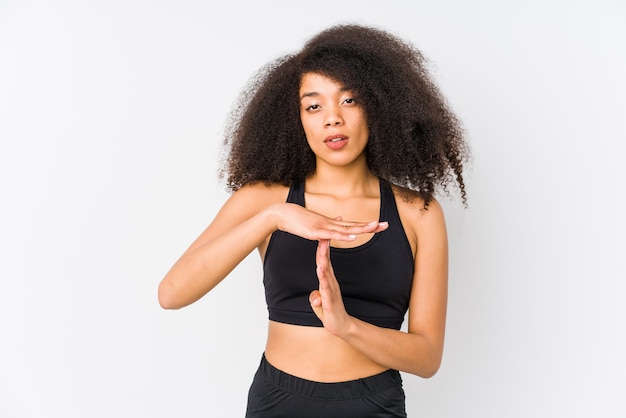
(334, 122)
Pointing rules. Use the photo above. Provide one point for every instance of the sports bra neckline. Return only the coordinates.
(300, 197)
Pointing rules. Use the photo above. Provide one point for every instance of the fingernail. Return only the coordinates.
(372, 223)
(352, 236)
(383, 223)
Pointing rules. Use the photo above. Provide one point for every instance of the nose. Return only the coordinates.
(333, 117)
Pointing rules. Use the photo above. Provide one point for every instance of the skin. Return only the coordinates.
(342, 206)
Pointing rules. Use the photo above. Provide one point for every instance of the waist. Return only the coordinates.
(329, 391)
(312, 353)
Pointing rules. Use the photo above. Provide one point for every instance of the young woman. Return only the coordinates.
(335, 155)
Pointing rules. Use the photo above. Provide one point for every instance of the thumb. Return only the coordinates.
(315, 299)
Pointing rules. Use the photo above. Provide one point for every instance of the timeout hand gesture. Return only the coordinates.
(305, 223)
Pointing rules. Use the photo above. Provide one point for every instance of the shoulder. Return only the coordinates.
(255, 197)
(262, 192)
(242, 205)
(420, 223)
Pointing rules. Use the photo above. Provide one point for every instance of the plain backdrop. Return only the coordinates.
(111, 118)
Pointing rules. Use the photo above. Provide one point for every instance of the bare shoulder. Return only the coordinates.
(250, 200)
(260, 195)
(417, 219)
(242, 205)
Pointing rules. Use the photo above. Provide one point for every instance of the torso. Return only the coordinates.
(314, 354)
(311, 352)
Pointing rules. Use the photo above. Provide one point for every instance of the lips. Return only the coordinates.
(336, 142)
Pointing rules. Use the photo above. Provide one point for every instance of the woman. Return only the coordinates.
(335, 154)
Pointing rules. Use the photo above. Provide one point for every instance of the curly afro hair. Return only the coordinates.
(415, 142)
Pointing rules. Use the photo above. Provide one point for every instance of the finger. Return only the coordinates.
(321, 273)
(359, 227)
(322, 257)
(323, 251)
(381, 226)
(324, 246)
(350, 232)
(324, 270)
(338, 236)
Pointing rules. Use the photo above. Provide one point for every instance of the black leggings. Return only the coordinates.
(277, 394)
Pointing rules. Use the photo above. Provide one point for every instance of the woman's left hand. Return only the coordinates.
(327, 302)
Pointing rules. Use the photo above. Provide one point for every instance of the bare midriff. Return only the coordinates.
(313, 353)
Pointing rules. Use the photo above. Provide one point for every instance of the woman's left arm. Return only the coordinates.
(418, 351)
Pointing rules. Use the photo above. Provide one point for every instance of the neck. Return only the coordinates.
(356, 179)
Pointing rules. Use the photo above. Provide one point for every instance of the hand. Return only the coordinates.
(327, 302)
(305, 223)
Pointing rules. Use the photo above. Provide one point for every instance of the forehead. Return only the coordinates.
(314, 83)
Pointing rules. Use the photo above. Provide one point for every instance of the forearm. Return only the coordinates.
(202, 268)
(409, 352)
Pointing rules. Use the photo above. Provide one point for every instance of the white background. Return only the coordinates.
(110, 125)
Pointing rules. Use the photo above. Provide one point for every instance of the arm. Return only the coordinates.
(418, 351)
(240, 226)
(244, 223)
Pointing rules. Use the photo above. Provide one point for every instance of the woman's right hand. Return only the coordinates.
(297, 220)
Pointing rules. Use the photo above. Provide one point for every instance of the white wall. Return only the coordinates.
(110, 122)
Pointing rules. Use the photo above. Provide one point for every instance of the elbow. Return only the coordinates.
(428, 365)
(431, 367)
(429, 370)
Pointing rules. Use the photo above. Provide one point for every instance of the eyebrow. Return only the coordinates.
(315, 94)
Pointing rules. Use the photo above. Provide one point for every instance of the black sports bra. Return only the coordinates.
(375, 278)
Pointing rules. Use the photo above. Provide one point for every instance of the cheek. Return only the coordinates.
(364, 130)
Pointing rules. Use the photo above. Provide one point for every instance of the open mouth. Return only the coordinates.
(336, 141)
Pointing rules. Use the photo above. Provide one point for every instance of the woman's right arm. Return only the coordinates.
(241, 225)
(244, 223)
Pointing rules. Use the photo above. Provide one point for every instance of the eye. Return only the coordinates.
(350, 101)
(312, 107)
